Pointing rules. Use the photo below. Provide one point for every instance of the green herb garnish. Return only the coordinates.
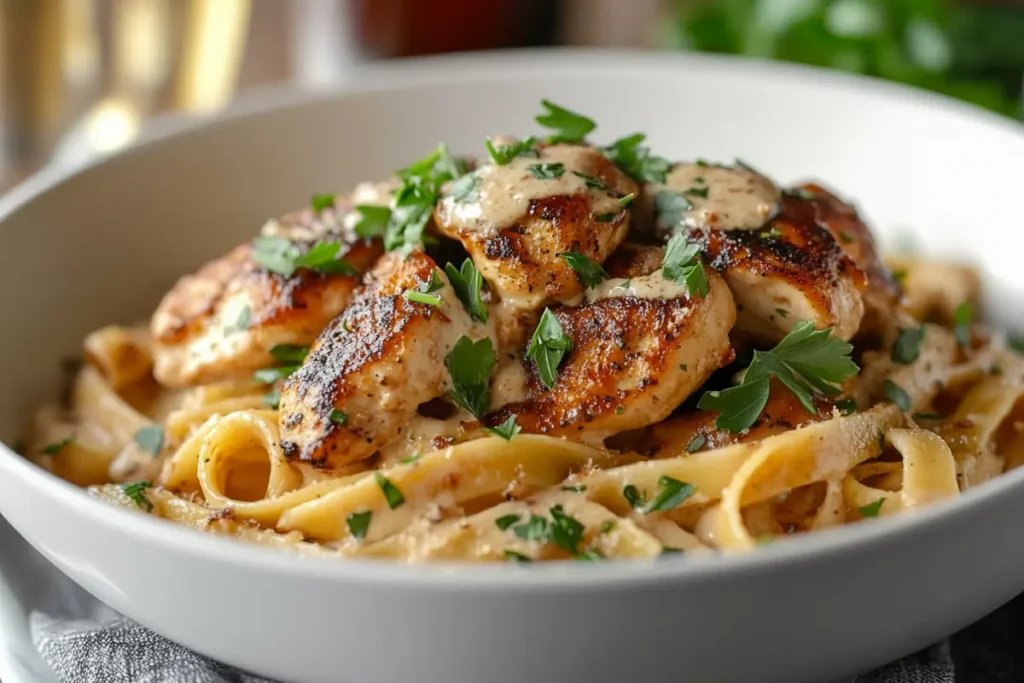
(590, 273)
(591, 181)
(282, 256)
(502, 154)
(698, 192)
(424, 293)
(806, 361)
(569, 126)
(963, 316)
(871, 509)
(696, 443)
(272, 399)
(470, 365)
(506, 430)
(671, 493)
(634, 497)
(513, 556)
(847, 406)
(669, 207)
(320, 202)
(150, 439)
(241, 322)
(636, 160)
(535, 529)
(626, 200)
(589, 555)
(57, 447)
(338, 417)
(373, 220)
(907, 348)
(548, 347)
(293, 354)
(897, 395)
(136, 490)
(358, 523)
(565, 531)
(682, 264)
(546, 171)
(391, 492)
(468, 283)
(505, 521)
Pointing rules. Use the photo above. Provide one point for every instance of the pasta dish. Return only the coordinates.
(556, 350)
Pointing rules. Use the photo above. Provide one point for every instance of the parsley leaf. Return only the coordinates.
(626, 200)
(671, 493)
(907, 348)
(282, 256)
(548, 347)
(698, 192)
(592, 182)
(502, 154)
(293, 354)
(467, 283)
(413, 202)
(150, 439)
(806, 361)
(391, 493)
(272, 399)
(871, 509)
(424, 292)
(323, 258)
(271, 375)
(506, 430)
(589, 555)
(565, 531)
(696, 443)
(897, 395)
(670, 206)
(546, 171)
(536, 529)
(570, 126)
(682, 264)
(963, 316)
(633, 496)
(358, 523)
(463, 188)
(636, 160)
(57, 447)
(590, 273)
(338, 417)
(320, 202)
(513, 556)
(847, 406)
(241, 322)
(373, 220)
(136, 490)
(470, 365)
(505, 521)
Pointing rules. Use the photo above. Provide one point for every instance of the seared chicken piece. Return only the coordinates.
(221, 322)
(370, 370)
(640, 346)
(780, 262)
(518, 219)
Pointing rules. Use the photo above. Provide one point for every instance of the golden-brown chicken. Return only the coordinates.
(371, 369)
(640, 346)
(782, 265)
(222, 321)
(519, 218)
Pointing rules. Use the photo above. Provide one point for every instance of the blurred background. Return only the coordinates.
(83, 77)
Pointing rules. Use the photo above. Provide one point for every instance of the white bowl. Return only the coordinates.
(78, 250)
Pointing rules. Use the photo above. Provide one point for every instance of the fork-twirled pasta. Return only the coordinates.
(556, 351)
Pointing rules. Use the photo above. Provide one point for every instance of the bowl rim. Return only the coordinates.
(504, 66)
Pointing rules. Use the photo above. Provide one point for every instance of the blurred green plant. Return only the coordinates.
(971, 51)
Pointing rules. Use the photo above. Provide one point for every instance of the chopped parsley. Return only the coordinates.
(470, 365)
(338, 417)
(590, 273)
(535, 529)
(633, 496)
(513, 556)
(605, 217)
(272, 399)
(293, 354)
(899, 275)
(414, 200)
(607, 527)
(463, 189)
(358, 523)
(591, 181)
(505, 521)
(321, 202)
(502, 154)
(589, 555)
(897, 395)
(698, 192)
(575, 489)
(568, 125)
(626, 200)
(467, 283)
(373, 220)
(670, 206)
(696, 443)
(782, 312)
(565, 531)
(546, 171)
(282, 256)
(871, 509)
(271, 375)
(391, 493)
(907, 348)
(806, 361)
(671, 493)
(424, 293)
(412, 458)
(929, 417)
(150, 439)
(847, 406)
(619, 410)
(963, 316)
(136, 491)
(57, 447)
(548, 347)
(636, 160)
(682, 264)
(506, 430)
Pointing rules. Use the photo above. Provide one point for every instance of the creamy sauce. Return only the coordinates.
(503, 194)
(653, 286)
(737, 198)
(510, 383)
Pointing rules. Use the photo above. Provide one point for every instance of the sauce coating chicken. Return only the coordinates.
(520, 217)
(640, 347)
(372, 367)
(221, 322)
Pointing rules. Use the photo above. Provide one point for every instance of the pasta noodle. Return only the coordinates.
(306, 393)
